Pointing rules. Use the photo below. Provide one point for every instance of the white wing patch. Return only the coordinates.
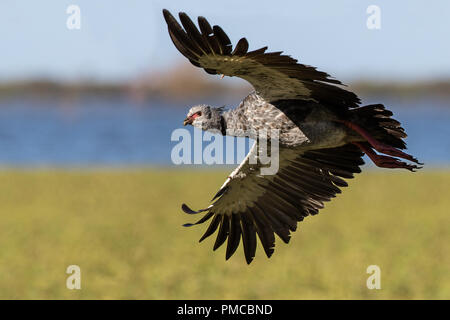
(246, 184)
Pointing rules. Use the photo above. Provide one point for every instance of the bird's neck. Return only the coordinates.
(216, 123)
(233, 123)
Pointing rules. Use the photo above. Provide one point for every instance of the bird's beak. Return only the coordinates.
(187, 121)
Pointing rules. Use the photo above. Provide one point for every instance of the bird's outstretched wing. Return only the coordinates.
(249, 204)
(273, 75)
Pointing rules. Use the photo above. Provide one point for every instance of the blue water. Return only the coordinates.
(93, 131)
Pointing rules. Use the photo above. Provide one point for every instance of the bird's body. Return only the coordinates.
(300, 124)
(322, 131)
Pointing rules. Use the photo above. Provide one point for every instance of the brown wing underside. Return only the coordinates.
(273, 75)
(298, 190)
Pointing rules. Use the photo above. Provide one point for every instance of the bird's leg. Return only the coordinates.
(383, 161)
(377, 145)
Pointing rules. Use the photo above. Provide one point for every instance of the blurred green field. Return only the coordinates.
(123, 228)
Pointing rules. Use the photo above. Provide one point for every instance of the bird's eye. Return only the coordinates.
(199, 113)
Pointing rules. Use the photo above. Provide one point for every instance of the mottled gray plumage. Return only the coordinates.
(306, 125)
(323, 134)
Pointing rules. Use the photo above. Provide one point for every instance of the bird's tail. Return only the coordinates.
(378, 121)
(383, 134)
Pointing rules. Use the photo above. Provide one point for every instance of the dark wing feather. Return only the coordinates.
(275, 76)
(215, 222)
(248, 236)
(264, 231)
(181, 37)
(241, 48)
(194, 34)
(208, 35)
(224, 41)
(223, 232)
(234, 237)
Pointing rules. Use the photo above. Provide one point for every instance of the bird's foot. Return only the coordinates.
(384, 161)
(392, 163)
(379, 146)
(382, 148)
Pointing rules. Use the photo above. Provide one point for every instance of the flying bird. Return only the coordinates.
(323, 134)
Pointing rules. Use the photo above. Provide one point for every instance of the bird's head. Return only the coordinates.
(204, 117)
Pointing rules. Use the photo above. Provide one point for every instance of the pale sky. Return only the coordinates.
(118, 40)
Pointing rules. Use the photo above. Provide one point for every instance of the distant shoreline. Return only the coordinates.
(177, 88)
(183, 82)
